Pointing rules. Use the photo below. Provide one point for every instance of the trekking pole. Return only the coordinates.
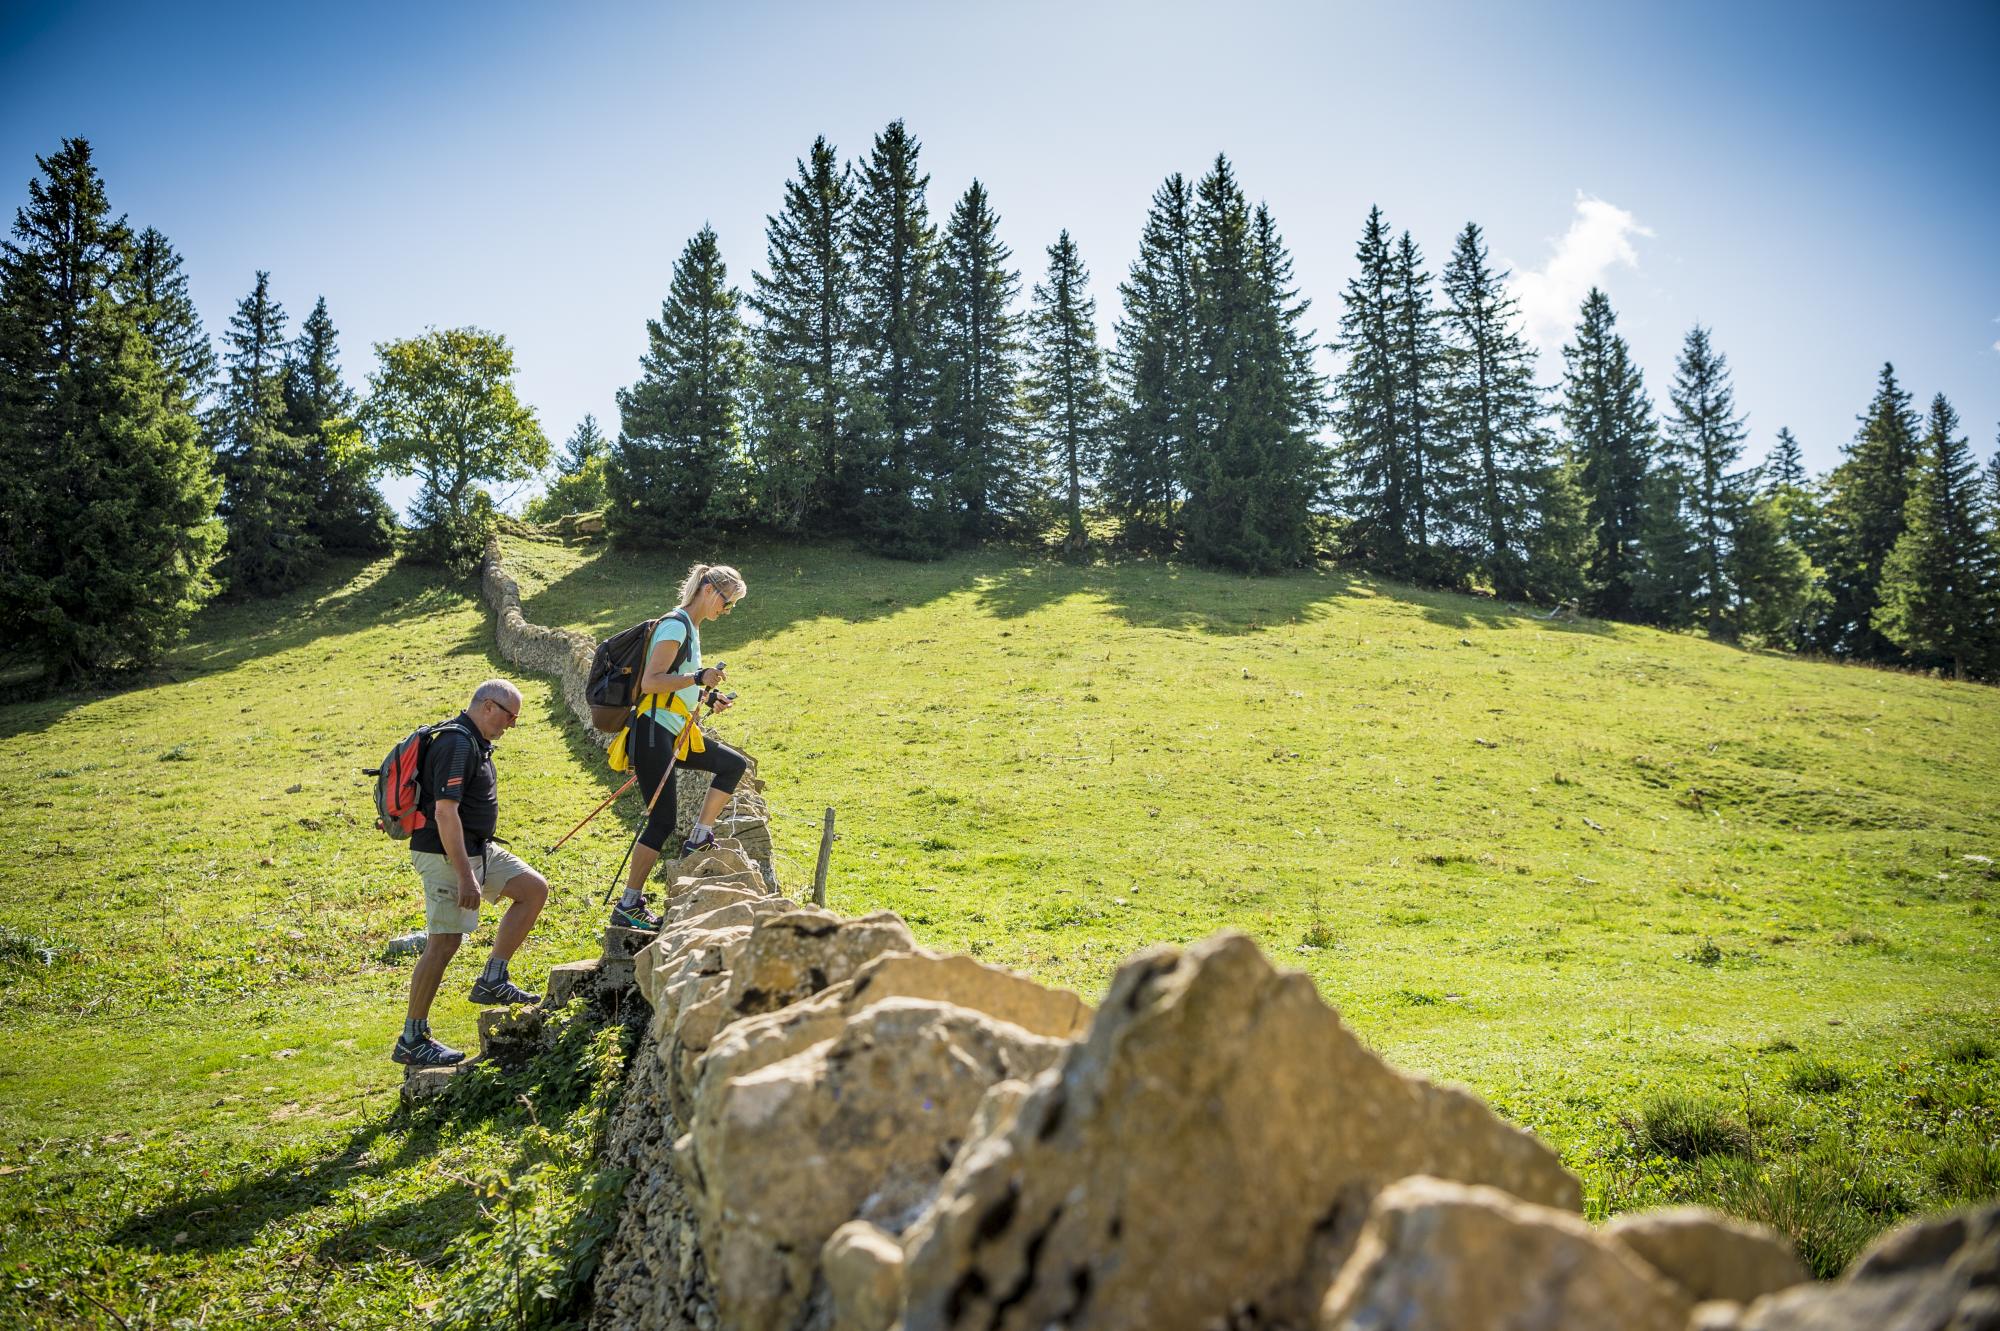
(673, 760)
(630, 781)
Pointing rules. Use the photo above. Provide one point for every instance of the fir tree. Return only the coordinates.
(1434, 473)
(1785, 468)
(1251, 479)
(1153, 367)
(1773, 582)
(578, 486)
(1668, 576)
(1609, 423)
(1704, 435)
(266, 496)
(107, 500)
(1493, 408)
(1993, 482)
(903, 502)
(1866, 499)
(1375, 472)
(443, 407)
(993, 488)
(805, 347)
(153, 286)
(681, 435)
(1066, 391)
(1940, 590)
(343, 510)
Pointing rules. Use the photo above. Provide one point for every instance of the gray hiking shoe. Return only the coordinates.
(489, 992)
(699, 841)
(425, 1053)
(635, 917)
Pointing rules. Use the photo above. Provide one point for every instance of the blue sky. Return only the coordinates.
(1817, 183)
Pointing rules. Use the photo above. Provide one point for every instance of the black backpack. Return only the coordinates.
(612, 688)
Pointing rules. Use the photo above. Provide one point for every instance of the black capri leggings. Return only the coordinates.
(651, 749)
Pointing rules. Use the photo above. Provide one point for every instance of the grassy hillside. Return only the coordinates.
(1715, 923)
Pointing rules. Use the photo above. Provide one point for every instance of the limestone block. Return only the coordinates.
(510, 1036)
(1214, 1142)
(1442, 1256)
(858, 1127)
(1928, 1275)
(619, 942)
(568, 980)
(798, 953)
(421, 1084)
(1710, 1255)
(863, 1265)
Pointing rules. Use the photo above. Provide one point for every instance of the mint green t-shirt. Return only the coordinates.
(673, 628)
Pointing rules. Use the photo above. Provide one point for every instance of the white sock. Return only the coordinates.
(699, 829)
(631, 898)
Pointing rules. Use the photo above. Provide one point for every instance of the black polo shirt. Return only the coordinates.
(462, 769)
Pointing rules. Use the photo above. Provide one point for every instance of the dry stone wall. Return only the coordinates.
(827, 1127)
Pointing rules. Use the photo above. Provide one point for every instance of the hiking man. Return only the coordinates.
(456, 857)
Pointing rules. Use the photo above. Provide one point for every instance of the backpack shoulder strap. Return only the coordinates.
(686, 642)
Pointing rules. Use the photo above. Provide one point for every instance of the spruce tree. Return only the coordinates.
(680, 437)
(903, 500)
(992, 485)
(1252, 475)
(1608, 420)
(267, 499)
(344, 510)
(1668, 575)
(1786, 467)
(107, 499)
(1704, 435)
(1434, 479)
(1866, 501)
(578, 486)
(1374, 472)
(1993, 482)
(153, 286)
(1940, 590)
(1493, 409)
(1066, 393)
(1774, 584)
(1153, 367)
(805, 346)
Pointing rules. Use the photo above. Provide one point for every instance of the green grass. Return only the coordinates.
(1584, 869)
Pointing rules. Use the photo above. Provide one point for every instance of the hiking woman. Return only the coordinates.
(676, 678)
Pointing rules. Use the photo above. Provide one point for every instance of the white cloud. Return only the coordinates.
(1598, 240)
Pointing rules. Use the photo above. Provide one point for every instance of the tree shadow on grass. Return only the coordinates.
(348, 596)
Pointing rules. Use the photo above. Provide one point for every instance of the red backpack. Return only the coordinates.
(399, 780)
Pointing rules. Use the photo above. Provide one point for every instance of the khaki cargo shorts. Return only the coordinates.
(493, 870)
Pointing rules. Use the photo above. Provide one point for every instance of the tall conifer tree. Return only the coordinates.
(903, 501)
(1786, 467)
(107, 499)
(1705, 437)
(1608, 419)
(266, 500)
(344, 511)
(805, 343)
(1940, 590)
(993, 488)
(1867, 499)
(1153, 367)
(1066, 391)
(578, 486)
(1434, 468)
(1250, 481)
(680, 440)
(1494, 408)
(1375, 473)
(153, 285)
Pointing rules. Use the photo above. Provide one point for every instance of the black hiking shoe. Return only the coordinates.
(635, 917)
(699, 841)
(490, 992)
(425, 1053)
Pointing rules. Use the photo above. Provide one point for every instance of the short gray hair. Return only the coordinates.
(496, 690)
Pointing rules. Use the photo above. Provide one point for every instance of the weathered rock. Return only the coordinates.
(749, 1044)
(1709, 1255)
(863, 1266)
(1929, 1275)
(1213, 1143)
(1442, 1256)
(510, 1036)
(860, 1126)
(569, 979)
(421, 1084)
